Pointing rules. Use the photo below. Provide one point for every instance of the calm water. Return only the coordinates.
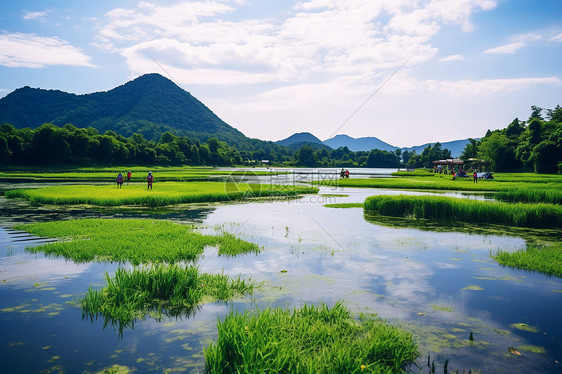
(440, 285)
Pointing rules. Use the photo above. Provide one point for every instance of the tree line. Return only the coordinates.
(534, 145)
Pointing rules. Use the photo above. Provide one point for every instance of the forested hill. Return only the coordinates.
(150, 105)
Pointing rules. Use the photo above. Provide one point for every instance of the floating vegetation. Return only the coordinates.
(546, 259)
(524, 327)
(344, 205)
(315, 339)
(163, 193)
(158, 290)
(473, 288)
(532, 348)
(115, 369)
(442, 308)
(450, 208)
(134, 240)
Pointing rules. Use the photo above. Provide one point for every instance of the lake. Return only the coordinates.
(440, 284)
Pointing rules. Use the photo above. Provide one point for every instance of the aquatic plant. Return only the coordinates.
(546, 259)
(170, 290)
(134, 240)
(450, 208)
(311, 339)
(163, 193)
(531, 194)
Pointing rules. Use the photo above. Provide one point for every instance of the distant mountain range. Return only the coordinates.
(151, 105)
(364, 144)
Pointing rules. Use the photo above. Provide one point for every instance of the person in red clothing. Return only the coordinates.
(129, 176)
(475, 176)
(149, 180)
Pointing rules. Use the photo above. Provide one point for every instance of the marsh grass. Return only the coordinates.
(163, 193)
(108, 175)
(156, 291)
(482, 212)
(552, 195)
(135, 240)
(546, 259)
(311, 339)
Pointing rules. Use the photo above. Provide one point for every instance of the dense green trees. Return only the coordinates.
(533, 146)
(49, 144)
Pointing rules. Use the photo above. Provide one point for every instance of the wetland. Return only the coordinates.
(438, 282)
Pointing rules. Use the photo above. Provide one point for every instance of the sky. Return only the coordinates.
(408, 72)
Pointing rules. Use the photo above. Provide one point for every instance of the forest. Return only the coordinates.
(533, 145)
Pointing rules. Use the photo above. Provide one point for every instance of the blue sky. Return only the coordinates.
(405, 71)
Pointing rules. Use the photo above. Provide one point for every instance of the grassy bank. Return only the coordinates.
(159, 290)
(546, 259)
(108, 174)
(134, 240)
(308, 340)
(532, 195)
(162, 194)
(481, 212)
(440, 182)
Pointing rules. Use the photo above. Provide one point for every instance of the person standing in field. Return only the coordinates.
(149, 180)
(475, 176)
(119, 180)
(129, 176)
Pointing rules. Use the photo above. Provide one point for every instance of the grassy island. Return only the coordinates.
(163, 193)
(169, 290)
(311, 339)
(135, 240)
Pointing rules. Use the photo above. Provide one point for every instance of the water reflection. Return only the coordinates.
(435, 280)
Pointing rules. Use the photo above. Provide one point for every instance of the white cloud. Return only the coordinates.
(32, 51)
(318, 40)
(506, 49)
(556, 38)
(487, 87)
(452, 58)
(34, 15)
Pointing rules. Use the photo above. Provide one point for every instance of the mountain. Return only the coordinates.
(367, 143)
(149, 104)
(301, 137)
(358, 144)
(456, 147)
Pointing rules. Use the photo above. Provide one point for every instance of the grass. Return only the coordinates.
(139, 173)
(344, 205)
(169, 290)
(441, 182)
(308, 340)
(481, 212)
(546, 259)
(134, 240)
(163, 193)
(532, 195)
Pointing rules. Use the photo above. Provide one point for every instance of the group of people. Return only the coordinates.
(149, 179)
(344, 173)
(462, 174)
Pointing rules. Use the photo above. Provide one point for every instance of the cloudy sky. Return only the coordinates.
(405, 71)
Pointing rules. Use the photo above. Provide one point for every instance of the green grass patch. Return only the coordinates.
(344, 205)
(524, 327)
(473, 211)
(552, 195)
(415, 173)
(169, 290)
(135, 240)
(546, 259)
(311, 339)
(163, 193)
(139, 173)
